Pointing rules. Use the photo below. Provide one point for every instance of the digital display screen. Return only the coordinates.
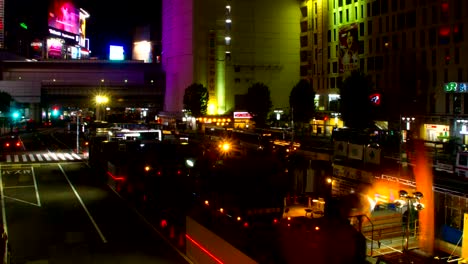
(64, 16)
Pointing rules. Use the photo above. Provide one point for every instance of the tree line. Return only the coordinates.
(356, 107)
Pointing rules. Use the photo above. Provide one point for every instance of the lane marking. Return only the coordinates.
(35, 187)
(103, 238)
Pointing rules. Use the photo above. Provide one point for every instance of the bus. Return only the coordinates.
(142, 135)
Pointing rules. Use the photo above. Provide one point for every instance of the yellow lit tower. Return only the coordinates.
(227, 46)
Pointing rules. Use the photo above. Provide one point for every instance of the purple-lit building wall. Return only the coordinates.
(177, 53)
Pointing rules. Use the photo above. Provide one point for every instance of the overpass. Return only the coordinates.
(37, 85)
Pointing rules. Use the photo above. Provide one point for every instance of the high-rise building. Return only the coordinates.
(413, 50)
(227, 46)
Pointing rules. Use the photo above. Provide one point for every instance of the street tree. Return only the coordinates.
(196, 99)
(301, 103)
(258, 103)
(5, 101)
(355, 106)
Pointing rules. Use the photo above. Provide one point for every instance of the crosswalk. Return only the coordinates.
(43, 157)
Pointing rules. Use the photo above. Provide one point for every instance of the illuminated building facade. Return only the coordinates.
(411, 49)
(227, 46)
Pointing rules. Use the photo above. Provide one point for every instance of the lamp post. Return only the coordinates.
(101, 100)
(412, 202)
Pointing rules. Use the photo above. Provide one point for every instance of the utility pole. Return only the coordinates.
(77, 134)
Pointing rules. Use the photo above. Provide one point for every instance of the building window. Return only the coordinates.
(303, 70)
(458, 33)
(348, 2)
(387, 23)
(403, 40)
(394, 5)
(446, 76)
(413, 41)
(347, 15)
(457, 56)
(460, 76)
(361, 29)
(340, 3)
(423, 57)
(380, 24)
(434, 77)
(433, 58)
(435, 16)
(303, 56)
(334, 34)
(395, 43)
(362, 11)
(369, 27)
(303, 41)
(304, 11)
(424, 16)
(422, 38)
(355, 12)
(370, 46)
(384, 7)
(304, 26)
(377, 44)
(368, 10)
(332, 82)
(341, 16)
(370, 64)
(432, 36)
(335, 67)
(315, 8)
(334, 18)
(316, 39)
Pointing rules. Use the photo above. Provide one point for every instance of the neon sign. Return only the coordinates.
(456, 87)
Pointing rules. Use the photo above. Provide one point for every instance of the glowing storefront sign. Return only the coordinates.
(244, 115)
(456, 87)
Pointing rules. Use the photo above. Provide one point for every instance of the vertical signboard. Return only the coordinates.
(2, 20)
(211, 64)
(349, 48)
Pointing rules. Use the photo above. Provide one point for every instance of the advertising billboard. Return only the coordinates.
(64, 16)
(349, 48)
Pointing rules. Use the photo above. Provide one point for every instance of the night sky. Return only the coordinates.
(110, 22)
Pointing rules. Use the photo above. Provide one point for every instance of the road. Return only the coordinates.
(56, 212)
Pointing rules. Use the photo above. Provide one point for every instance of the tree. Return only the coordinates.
(196, 99)
(259, 103)
(301, 102)
(355, 106)
(5, 101)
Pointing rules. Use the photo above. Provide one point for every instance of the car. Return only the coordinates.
(11, 143)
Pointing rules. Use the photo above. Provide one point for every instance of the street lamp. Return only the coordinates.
(101, 100)
(411, 202)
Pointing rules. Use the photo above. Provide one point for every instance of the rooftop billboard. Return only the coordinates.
(64, 16)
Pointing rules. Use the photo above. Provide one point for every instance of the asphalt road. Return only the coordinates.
(57, 213)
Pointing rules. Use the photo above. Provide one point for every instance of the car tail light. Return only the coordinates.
(18, 144)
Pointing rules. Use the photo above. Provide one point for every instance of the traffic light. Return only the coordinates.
(55, 111)
(15, 115)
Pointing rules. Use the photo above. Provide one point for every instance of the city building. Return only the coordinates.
(413, 50)
(227, 46)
